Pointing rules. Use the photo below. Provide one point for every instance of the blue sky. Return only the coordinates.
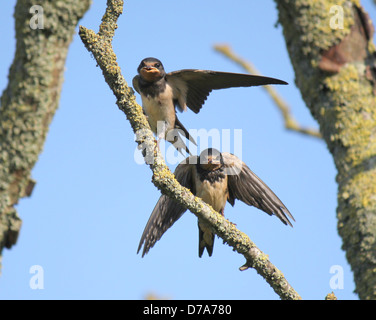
(85, 217)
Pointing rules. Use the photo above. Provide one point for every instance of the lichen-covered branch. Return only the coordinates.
(31, 98)
(283, 107)
(333, 55)
(100, 46)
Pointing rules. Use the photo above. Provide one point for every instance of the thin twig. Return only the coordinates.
(100, 46)
(290, 122)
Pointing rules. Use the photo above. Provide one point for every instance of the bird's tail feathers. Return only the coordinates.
(179, 125)
(179, 144)
(175, 137)
(205, 240)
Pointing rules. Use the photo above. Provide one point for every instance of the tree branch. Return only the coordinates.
(31, 99)
(289, 120)
(101, 48)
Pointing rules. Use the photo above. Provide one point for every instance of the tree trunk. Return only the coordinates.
(43, 35)
(332, 52)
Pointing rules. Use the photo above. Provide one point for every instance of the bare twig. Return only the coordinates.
(290, 122)
(100, 46)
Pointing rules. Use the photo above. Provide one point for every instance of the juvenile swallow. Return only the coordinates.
(162, 93)
(216, 178)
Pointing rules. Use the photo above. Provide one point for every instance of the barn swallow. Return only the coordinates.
(216, 178)
(162, 93)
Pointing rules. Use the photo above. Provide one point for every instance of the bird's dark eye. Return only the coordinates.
(157, 65)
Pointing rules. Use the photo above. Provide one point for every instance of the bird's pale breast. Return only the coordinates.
(160, 108)
(213, 193)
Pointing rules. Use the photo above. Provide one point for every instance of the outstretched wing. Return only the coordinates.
(192, 87)
(167, 211)
(245, 185)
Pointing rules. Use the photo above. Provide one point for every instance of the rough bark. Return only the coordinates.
(334, 63)
(101, 48)
(31, 99)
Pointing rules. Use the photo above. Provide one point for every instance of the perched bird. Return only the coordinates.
(162, 93)
(216, 178)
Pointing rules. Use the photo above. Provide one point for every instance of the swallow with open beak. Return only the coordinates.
(216, 178)
(162, 93)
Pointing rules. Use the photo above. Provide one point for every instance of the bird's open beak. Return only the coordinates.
(149, 69)
(150, 73)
